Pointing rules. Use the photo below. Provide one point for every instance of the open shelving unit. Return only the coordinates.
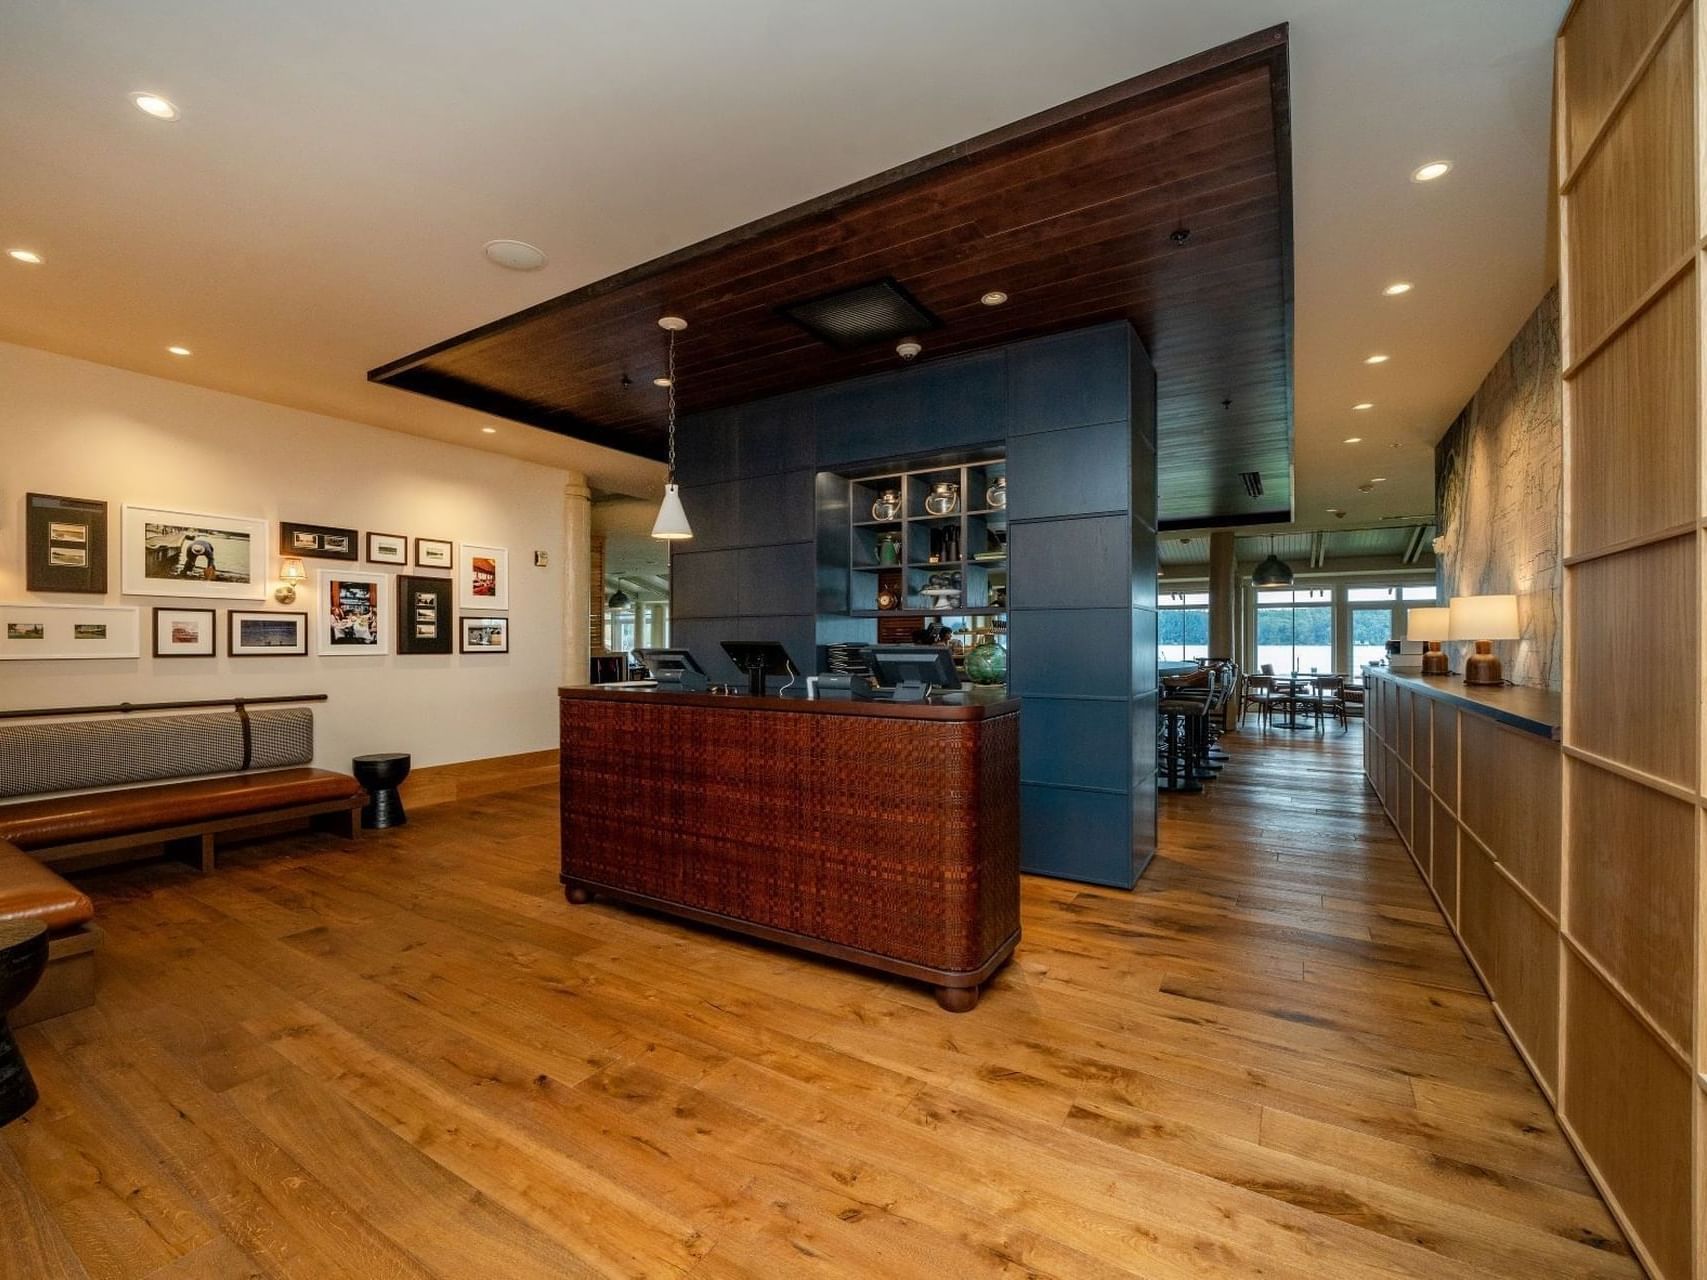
(969, 542)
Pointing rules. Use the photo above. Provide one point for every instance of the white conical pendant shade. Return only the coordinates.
(672, 521)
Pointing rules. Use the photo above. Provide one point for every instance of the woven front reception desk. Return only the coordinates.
(881, 834)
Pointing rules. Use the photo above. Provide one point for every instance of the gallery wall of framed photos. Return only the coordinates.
(145, 526)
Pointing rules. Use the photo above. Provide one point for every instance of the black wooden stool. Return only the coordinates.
(23, 956)
(382, 774)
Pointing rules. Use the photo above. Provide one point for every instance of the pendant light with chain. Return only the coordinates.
(672, 522)
(1273, 572)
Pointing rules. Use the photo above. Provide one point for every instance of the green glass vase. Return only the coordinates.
(987, 663)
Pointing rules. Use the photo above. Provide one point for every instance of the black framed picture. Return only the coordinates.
(266, 633)
(435, 553)
(423, 615)
(485, 635)
(318, 541)
(65, 544)
(387, 548)
(184, 633)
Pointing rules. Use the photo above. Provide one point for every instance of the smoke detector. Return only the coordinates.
(908, 348)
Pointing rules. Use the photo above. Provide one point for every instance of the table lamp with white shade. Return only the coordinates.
(1484, 619)
(1432, 625)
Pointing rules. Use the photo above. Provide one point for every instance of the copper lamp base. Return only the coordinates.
(1434, 661)
(1483, 666)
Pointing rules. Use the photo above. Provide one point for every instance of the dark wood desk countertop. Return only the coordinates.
(978, 704)
(1537, 711)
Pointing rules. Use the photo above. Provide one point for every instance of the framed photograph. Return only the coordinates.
(485, 635)
(423, 615)
(183, 553)
(318, 541)
(262, 633)
(352, 613)
(65, 542)
(69, 631)
(484, 580)
(434, 553)
(387, 548)
(184, 633)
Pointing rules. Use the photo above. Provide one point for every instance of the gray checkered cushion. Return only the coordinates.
(76, 755)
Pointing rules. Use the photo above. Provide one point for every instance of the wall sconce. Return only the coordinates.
(291, 572)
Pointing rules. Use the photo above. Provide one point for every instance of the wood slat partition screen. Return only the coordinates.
(1630, 1050)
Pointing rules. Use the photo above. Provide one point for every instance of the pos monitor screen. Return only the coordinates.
(675, 668)
(913, 670)
(760, 658)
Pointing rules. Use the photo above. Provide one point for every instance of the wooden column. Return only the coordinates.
(1223, 593)
(1631, 1091)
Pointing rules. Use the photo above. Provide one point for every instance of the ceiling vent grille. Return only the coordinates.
(1252, 480)
(881, 311)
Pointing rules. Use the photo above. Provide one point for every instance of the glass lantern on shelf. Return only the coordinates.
(943, 499)
(996, 497)
(887, 506)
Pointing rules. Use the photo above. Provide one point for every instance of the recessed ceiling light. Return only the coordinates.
(514, 255)
(178, 351)
(491, 431)
(1397, 287)
(25, 255)
(153, 104)
(994, 298)
(1354, 439)
(1364, 407)
(660, 382)
(1377, 358)
(1432, 170)
(1377, 479)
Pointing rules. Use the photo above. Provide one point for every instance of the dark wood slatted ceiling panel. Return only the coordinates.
(1070, 213)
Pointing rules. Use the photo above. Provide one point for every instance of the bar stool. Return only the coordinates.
(1179, 716)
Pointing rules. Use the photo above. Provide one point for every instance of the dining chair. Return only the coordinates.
(1259, 693)
(1330, 700)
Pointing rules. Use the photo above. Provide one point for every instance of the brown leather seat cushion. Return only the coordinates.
(29, 891)
(36, 824)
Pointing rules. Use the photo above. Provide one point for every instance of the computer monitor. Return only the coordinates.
(674, 668)
(760, 658)
(913, 670)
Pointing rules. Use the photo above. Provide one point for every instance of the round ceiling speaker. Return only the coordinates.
(515, 255)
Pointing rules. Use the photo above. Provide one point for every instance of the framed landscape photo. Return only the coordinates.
(352, 613)
(185, 553)
(318, 541)
(435, 553)
(68, 631)
(484, 635)
(483, 582)
(387, 548)
(65, 543)
(264, 633)
(184, 633)
(423, 615)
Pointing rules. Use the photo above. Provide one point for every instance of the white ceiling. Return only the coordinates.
(320, 207)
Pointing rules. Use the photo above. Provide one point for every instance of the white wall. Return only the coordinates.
(91, 431)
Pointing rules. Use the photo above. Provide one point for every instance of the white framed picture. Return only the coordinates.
(186, 553)
(68, 631)
(387, 548)
(484, 635)
(266, 633)
(184, 633)
(483, 582)
(352, 615)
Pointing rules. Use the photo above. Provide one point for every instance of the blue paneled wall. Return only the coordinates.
(1075, 415)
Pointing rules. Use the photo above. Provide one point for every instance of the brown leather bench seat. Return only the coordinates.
(36, 824)
(29, 891)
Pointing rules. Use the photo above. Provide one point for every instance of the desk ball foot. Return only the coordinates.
(957, 999)
(577, 895)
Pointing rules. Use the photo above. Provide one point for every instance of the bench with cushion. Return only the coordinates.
(29, 891)
(263, 756)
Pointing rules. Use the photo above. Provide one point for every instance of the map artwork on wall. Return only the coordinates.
(1499, 476)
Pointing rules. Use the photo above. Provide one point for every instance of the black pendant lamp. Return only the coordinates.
(619, 598)
(1273, 572)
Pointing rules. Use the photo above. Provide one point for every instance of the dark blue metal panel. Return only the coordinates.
(779, 579)
(1073, 564)
(777, 508)
(703, 584)
(703, 638)
(1071, 380)
(797, 634)
(1076, 471)
(707, 447)
(778, 435)
(1076, 741)
(1082, 652)
(1077, 835)
(714, 511)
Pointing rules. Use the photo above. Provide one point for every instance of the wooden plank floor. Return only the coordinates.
(412, 1058)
